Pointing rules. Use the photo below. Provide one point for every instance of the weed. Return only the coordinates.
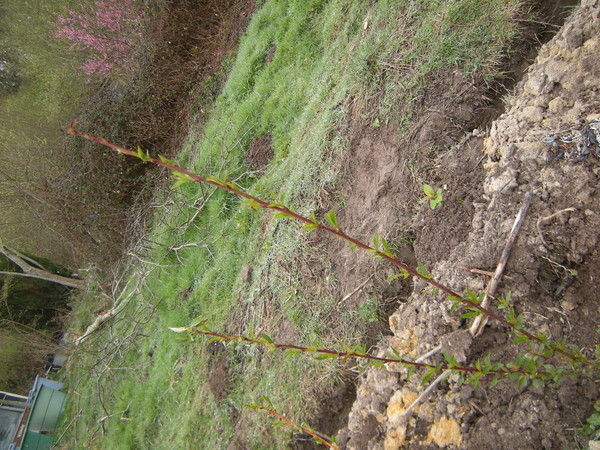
(434, 197)
(592, 427)
(369, 310)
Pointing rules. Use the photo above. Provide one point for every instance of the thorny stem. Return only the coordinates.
(305, 430)
(261, 204)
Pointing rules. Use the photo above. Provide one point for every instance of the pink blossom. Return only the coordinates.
(106, 32)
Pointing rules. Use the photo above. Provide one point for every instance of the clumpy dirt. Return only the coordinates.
(219, 382)
(259, 154)
(545, 143)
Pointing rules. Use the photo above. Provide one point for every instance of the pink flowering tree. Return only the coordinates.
(104, 32)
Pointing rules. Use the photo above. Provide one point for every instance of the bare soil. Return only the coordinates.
(485, 162)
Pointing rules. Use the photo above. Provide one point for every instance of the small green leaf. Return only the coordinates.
(332, 219)
(252, 204)
(403, 274)
(451, 360)
(429, 192)
(427, 375)
(421, 270)
(324, 356)
(523, 382)
(267, 338)
(282, 215)
(267, 400)
(310, 227)
(385, 246)
(165, 160)
(199, 323)
(143, 156)
(376, 241)
(537, 382)
(217, 181)
(180, 178)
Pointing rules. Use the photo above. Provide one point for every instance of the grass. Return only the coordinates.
(136, 384)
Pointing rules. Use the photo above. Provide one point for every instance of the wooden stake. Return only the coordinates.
(480, 321)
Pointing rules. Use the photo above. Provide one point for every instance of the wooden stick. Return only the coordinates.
(362, 285)
(426, 392)
(480, 321)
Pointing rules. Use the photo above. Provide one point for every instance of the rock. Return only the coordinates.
(445, 432)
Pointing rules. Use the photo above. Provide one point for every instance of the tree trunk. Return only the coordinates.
(38, 272)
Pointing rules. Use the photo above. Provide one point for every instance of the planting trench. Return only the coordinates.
(485, 176)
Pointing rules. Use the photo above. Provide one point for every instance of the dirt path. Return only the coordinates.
(485, 176)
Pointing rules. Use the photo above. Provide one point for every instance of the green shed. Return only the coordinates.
(29, 422)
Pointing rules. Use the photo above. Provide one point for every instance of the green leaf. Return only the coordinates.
(267, 400)
(537, 382)
(523, 381)
(455, 306)
(451, 360)
(332, 219)
(252, 203)
(385, 246)
(421, 270)
(267, 338)
(324, 356)
(165, 160)
(217, 181)
(180, 178)
(310, 227)
(143, 156)
(199, 323)
(428, 375)
(376, 241)
(282, 215)
(429, 192)
(377, 364)
(403, 274)
(433, 203)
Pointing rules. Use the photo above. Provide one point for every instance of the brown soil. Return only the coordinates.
(259, 154)
(485, 177)
(218, 371)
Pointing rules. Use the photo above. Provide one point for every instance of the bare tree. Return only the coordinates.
(32, 269)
